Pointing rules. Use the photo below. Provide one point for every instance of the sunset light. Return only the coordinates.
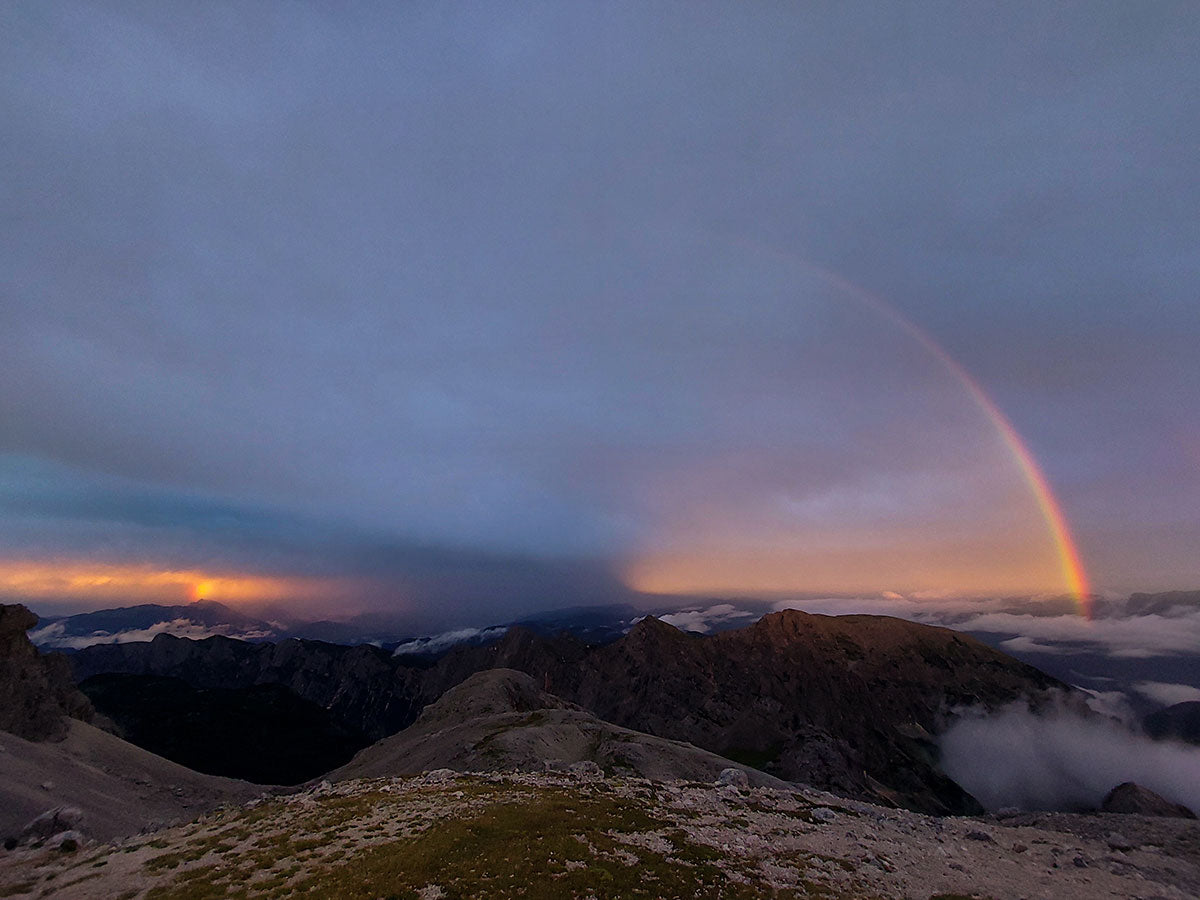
(94, 582)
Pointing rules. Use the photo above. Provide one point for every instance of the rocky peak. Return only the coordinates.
(489, 693)
(38, 690)
(1131, 797)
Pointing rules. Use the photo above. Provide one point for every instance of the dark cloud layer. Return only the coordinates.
(451, 291)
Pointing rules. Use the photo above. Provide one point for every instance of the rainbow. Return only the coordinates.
(1074, 575)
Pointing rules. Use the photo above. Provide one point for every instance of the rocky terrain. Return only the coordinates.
(847, 703)
(116, 787)
(52, 759)
(500, 720)
(38, 690)
(500, 788)
(581, 835)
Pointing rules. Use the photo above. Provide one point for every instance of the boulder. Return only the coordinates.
(733, 777)
(59, 820)
(1133, 798)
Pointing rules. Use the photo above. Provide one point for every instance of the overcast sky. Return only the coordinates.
(498, 306)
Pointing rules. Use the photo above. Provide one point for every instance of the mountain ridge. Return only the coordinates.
(833, 701)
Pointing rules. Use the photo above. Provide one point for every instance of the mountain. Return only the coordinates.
(265, 733)
(500, 720)
(1180, 722)
(50, 757)
(201, 619)
(848, 703)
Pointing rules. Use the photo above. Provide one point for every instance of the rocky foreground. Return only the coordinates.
(580, 834)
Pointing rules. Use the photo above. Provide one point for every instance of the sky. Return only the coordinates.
(471, 309)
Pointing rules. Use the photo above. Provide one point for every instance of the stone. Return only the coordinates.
(823, 814)
(1118, 841)
(67, 841)
(51, 822)
(734, 778)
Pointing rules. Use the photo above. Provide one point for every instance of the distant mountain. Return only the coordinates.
(1179, 722)
(204, 618)
(848, 703)
(208, 618)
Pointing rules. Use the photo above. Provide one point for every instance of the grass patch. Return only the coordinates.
(526, 846)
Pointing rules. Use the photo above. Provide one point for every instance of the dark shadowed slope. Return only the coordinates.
(1180, 722)
(264, 733)
(119, 788)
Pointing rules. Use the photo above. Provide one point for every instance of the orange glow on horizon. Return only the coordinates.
(97, 581)
(1019, 565)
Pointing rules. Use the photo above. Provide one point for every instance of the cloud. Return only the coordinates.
(1168, 694)
(705, 620)
(53, 636)
(1134, 637)
(1114, 704)
(1022, 644)
(536, 286)
(1062, 760)
(438, 643)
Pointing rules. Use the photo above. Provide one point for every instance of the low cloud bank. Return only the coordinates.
(55, 637)
(439, 643)
(1167, 693)
(1062, 760)
(705, 620)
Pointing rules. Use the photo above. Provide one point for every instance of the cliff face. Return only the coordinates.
(38, 691)
(847, 703)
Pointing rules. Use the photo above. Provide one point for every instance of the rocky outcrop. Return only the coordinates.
(847, 703)
(1133, 798)
(38, 690)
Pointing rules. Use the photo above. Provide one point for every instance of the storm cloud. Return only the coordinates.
(502, 303)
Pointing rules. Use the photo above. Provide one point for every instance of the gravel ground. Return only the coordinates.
(583, 835)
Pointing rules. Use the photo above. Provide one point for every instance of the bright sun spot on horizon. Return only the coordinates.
(90, 581)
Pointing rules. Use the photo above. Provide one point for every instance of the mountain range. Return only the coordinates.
(849, 703)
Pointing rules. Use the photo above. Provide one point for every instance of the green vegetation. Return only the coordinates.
(545, 845)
